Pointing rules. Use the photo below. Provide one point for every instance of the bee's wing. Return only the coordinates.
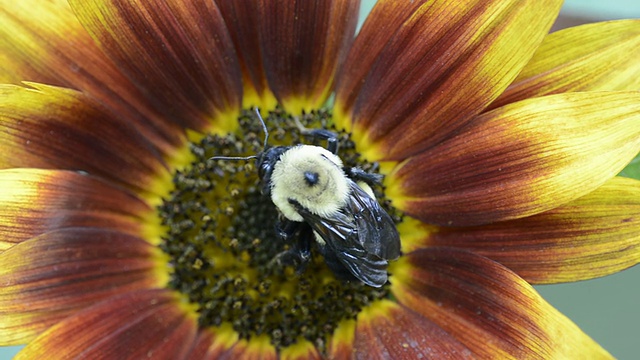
(341, 238)
(376, 230)
(363, 237)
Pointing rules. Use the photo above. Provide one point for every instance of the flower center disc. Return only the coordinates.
(225, 253)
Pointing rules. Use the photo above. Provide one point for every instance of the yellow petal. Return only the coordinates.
(43, 41)
(593, 57)
(592, 236)
(521, 159)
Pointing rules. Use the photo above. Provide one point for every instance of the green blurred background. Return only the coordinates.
(608, 309)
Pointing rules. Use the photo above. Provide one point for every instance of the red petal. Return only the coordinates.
(54, 275)
(135, 325)
(382, 23)
(56, 128)
(37, 201)
(420, 79)
(392, 331)
(177, 53)
(211, 344)
(303, 43)
(242, 19)
(487, 307)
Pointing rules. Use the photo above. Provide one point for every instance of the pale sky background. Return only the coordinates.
(607, 308)
(603, 9)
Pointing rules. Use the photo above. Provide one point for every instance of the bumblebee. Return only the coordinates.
(321, 199)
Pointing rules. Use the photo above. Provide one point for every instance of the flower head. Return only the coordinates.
(498, 144)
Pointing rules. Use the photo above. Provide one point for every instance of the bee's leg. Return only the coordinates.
(360, 175)
(330, 136)
(286, 229)
(299, 255)
(303, 247)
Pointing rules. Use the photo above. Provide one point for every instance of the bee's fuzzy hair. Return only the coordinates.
(324, 198)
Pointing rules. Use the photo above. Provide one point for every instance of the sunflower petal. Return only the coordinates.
(242, 19)
(211, 344)
(432, 72)
(487, 307)
(301, 350)
(388, 330)
(42, 41)
(592, 57)
(521, 159)
(203, 346)
(178, 53)
(595, 235)
(257, 348)
(303, 44)
(135, 325)
(55, 128)
(49, 277)
(379, 27)
(341, 343)
(36, 201)
(36, 40)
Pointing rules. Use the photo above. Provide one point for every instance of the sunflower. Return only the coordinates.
(498, 144)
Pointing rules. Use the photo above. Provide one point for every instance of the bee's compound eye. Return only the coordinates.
(311, 177)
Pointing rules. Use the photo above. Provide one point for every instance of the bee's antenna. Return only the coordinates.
(264, 128)
(233, 157)
(264, 144)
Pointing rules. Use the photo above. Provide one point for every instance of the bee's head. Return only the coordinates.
(266, 163)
